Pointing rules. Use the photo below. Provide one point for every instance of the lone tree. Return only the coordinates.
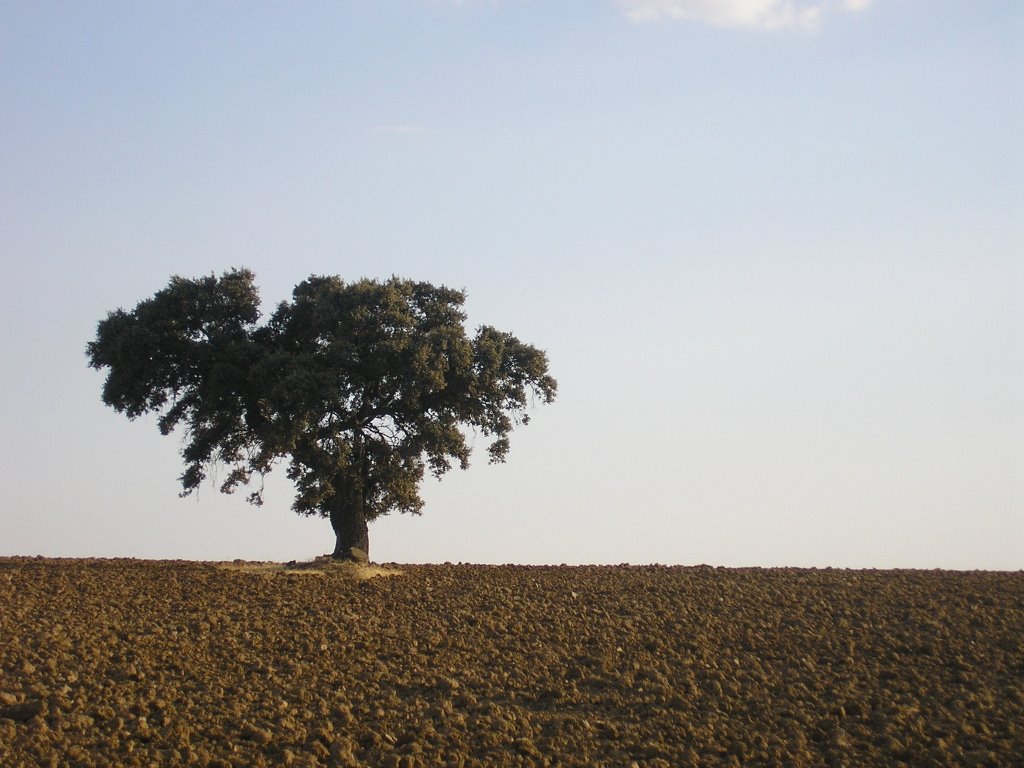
(360, 386)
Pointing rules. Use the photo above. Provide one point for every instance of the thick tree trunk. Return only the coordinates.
(350, 530)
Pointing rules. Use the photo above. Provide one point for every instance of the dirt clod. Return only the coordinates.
(23, 712)
(121, 662)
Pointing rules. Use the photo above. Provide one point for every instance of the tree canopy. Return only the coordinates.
(362, 387)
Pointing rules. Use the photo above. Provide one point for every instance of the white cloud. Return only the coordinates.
(765, 14)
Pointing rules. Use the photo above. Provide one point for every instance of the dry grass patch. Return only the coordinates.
(317, 567)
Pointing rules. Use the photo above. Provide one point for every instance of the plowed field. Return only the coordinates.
(133, 663)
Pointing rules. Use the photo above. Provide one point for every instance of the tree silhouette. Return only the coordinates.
(361, 386)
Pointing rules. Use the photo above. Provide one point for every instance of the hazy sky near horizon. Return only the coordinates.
(773, 248)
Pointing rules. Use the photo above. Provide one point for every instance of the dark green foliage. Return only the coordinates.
(361, 386)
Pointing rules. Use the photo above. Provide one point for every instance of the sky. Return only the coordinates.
(774, 250)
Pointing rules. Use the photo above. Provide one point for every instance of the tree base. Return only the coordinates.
(352, 538)
(352, 534)
(353, 555)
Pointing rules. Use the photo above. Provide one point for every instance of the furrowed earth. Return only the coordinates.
(136, 663)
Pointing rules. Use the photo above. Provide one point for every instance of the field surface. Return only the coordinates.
(134, 663)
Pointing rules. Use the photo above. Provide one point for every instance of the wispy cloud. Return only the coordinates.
(764, 14)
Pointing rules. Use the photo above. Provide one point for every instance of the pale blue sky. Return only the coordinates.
(773, 249)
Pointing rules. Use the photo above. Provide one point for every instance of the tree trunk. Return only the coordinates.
(350, 530)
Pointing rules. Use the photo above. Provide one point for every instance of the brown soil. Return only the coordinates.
(121, 662)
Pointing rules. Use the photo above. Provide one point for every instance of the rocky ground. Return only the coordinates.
(132, 663)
